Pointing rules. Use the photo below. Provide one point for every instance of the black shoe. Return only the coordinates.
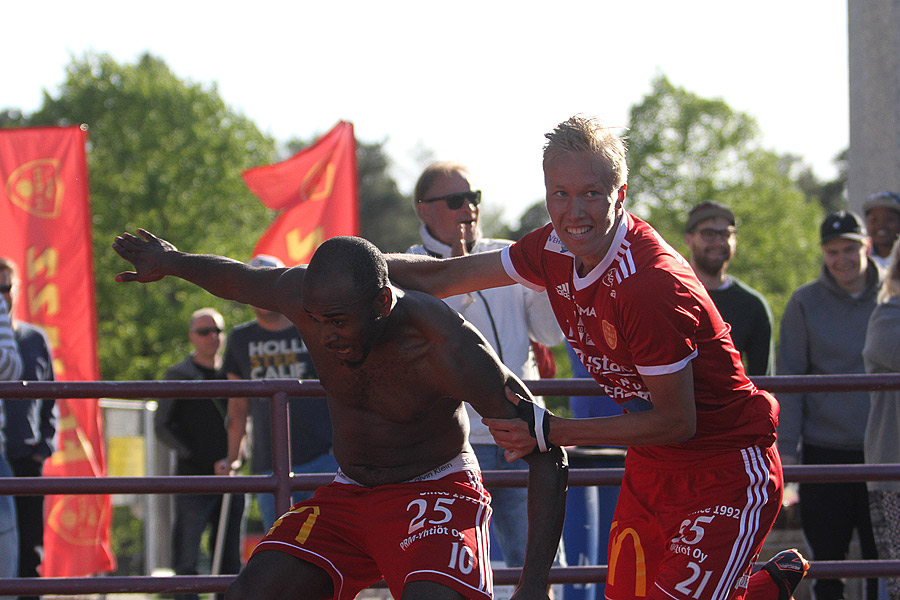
(786, 569)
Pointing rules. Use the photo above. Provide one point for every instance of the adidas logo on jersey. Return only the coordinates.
(563, 290)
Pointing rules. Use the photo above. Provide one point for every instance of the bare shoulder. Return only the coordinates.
(288, 282)
(443, 334)
(430, 315)
(285, 287)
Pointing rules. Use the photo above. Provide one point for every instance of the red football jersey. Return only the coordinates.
(642, 311)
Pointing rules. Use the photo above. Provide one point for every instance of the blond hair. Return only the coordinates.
(587, 135)
(207, 312)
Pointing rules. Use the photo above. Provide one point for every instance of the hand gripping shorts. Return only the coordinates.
(432, 528)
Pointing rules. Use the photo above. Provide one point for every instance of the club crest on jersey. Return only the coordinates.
(609, 334)
(610, 277)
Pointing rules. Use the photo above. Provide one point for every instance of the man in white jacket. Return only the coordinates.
(510, 318)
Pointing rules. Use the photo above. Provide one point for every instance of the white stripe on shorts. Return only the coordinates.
(757, 497)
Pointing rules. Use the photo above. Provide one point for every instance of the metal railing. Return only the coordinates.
(281, 482)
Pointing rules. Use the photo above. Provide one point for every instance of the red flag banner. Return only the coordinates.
(45, 229)
(316, 190)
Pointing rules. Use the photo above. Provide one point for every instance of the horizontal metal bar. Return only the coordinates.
(211, 484)
(312, 387)
(218, 583)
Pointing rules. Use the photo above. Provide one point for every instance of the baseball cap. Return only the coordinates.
(265, 260)
(708, 210)
(882, 200)
(843, 224)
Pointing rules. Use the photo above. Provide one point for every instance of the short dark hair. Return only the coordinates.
(358, 257)
(708, 209)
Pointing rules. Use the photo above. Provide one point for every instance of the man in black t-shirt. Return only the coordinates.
(270, 347)
(711, 236)
(195, 429)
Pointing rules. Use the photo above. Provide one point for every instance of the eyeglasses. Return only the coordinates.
(455, 201)
(5, 289)
(205, 331)
(710, 234)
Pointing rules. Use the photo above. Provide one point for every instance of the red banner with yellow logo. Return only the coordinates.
(45, 229)
(316, 190)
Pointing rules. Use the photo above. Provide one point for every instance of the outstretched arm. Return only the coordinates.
(448, 277)
(154, 258)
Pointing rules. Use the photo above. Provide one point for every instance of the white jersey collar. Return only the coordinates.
(611, 254)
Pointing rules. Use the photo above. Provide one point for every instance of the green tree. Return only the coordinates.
(831, 195)
(386, 217)
(684, 149)
(165, 155)
(534, 217)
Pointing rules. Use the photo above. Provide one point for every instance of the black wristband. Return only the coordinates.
(538, 420)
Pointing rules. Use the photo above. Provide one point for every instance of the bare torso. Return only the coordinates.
(392, 416)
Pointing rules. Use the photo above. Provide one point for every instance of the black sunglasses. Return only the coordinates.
(204, 331)
(5, 289)
(455, 201)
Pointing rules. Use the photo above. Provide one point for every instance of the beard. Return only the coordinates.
(712, 263)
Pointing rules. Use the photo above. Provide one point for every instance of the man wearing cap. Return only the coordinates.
(882, 211)
(711, 236)
(822, 332)
(270, 347)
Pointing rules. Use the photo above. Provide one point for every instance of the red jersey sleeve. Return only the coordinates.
(660, 320)
(523, 261)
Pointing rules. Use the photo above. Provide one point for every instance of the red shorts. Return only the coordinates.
(434, 530)
(692, 530)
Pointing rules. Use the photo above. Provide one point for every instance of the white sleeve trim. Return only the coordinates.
(667, 369)
(513, 274)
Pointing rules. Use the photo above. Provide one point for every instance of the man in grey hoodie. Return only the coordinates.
(823, 330)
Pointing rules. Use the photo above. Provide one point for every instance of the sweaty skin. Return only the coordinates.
(396, 369)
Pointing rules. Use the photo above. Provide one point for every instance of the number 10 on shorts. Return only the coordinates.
(461, 558)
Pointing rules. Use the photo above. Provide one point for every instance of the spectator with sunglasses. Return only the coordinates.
(510, 318)
(195, 430)
(711, 237)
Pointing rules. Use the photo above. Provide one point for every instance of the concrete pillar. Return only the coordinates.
(874, 47)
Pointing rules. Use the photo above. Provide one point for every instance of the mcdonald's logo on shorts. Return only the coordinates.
(617, 546)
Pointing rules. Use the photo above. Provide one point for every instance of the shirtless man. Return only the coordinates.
(408, 503)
